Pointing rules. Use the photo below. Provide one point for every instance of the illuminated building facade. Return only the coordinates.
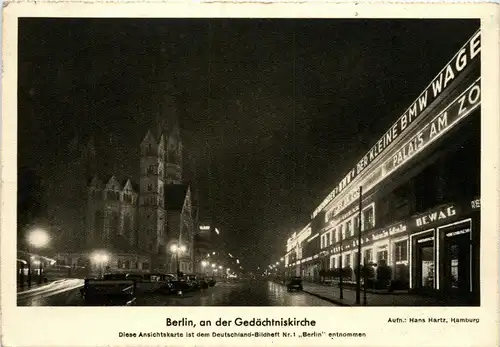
(420, 203)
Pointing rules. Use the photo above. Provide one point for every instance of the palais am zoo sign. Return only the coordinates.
(439, 214)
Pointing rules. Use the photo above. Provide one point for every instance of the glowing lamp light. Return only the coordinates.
(213, 252)
(204, 263)
(277, 263)
(217, 231)
(214, 265)
(282, 258)
(100, 257)
(38, 238)
(220, 266)
(180, 249)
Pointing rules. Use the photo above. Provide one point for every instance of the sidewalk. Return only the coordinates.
(332, 294)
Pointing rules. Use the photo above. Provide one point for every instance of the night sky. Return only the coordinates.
(273, 112)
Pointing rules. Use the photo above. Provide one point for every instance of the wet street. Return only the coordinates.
(60, 293)
(238, 293)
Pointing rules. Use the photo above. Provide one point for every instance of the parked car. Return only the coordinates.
(108, 292)
(295, 283)
(192, 281)
(211, 282)
(203, 283)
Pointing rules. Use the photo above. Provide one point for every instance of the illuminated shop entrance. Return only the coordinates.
(424, 261)
(456, 258)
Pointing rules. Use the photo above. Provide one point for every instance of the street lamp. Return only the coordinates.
(100, 258)
(177, 250)
(37, 238)
(204, 264)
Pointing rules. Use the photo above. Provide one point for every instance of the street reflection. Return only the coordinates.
(242, 293)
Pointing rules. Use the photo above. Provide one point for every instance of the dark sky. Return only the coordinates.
(285, 107)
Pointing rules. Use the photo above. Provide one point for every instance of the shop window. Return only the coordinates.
(382, 256)
(401, 251)
(368, 218)
(454, 255)
(347, 260)
(369, 255)
(427, 266)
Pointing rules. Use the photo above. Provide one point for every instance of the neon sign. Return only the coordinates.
(461, 107)
(465, 57)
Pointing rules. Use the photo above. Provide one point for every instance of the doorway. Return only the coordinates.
(456, 269)
(425, 264)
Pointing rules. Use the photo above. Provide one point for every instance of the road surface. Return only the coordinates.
(238, 293)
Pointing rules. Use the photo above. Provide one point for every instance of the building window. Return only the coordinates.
(327, 240)
(120, 264)
(401, 251)
(127, 198)
(150, 187)
(341, 232)
(349, 229)
(99, 225)
(356, 223)
(127, 264)
(150, 170)
(368, 218)
(347, 260)
(145, 265)
(115, 223)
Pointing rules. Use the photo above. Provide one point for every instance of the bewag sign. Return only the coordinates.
(469, 53)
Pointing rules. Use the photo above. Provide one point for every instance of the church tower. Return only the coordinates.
(151, 196)
(174, 156)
